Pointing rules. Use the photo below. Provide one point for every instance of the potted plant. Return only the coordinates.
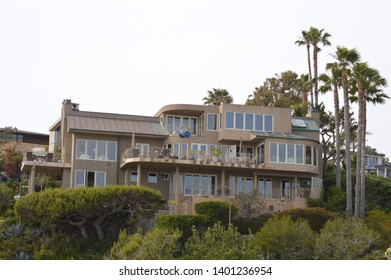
(216, 154)
(191, 154)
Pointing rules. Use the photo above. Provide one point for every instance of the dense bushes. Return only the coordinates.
(283, 238)
(217, 211)
(316, 217)
(6, 198)
(86, 206)
(251, 225)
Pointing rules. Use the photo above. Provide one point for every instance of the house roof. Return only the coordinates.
(304, 124)
(280, 135)
(106, 124)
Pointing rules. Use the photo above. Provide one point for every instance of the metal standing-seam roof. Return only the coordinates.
(146, 126)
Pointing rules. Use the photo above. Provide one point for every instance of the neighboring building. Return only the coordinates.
(23, 141)
(190, 153)
(372, 160)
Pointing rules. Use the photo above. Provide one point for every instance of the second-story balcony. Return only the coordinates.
(164, 155)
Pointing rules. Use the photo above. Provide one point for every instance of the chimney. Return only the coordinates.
(314, 114)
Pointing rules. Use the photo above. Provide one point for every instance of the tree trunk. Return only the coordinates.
(315, 58)
(83, 231)
(360, 153)
(363, 147)
(337, 138)
(99, 230)
(310, 73)
(348, 159)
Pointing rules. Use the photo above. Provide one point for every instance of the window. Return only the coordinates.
(196, 184)
(239, 118)
(184, 151)
(299, 154)
(259, 122)
(273, 152)
(240, 185)
(291, 153)
(265, 188)
(308, 154)
(133, 176)
(229, 120)
(178, 124)
(285, 189)
(281, 152)
(212, 121)
(143, 149)
(152, 177)
(90, 178)
(174, 182)
(249, 123)
(269, 123)
(287, 153)
(96, 150)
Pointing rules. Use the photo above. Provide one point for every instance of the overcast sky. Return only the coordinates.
(134, 57)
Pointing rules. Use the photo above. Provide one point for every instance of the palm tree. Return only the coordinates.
(317, 37)
(217, 96)
(345, 58)
(333, 82)
(305, 40)
(368, 84)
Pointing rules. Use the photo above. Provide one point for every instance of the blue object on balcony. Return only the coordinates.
(185, 134)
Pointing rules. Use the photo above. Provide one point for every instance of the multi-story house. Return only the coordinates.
(190, 153)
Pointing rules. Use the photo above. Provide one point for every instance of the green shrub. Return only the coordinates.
(6, 199)
(221, 243)
(380, 222)
(156, 244)
(251, 225)
(378, 193)
(183, 223)
(316, 217)
(282, 238)
(344, 239)
(217, 211)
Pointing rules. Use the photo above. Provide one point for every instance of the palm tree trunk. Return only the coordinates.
(337, 138)
(310, 73)
(360, 152)
(363, 147)
(348, 159)
(315, 58)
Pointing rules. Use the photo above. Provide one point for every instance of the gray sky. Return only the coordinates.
(134, 57)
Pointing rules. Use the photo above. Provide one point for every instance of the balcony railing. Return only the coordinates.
(243, 159)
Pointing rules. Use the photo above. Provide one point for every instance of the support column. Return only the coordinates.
(139, 174)
(295, 191)
(223, 182)
(32, 180)
(177, 189)
(127, 176)
(255, 184)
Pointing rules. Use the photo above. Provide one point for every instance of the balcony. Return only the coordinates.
(163, 155)
(42, 161)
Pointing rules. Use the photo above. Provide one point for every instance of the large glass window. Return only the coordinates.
(133, 176)
(197, 184)
(96, 150)
(179, 124)
(90, 178)
(287, 153)
(180, 187)
(299, 154)
(269, 187)
(308, 154)
(212, 121)
(143, 149)
(285, 189)
(291, 153)
(265, 188)
(152, 177)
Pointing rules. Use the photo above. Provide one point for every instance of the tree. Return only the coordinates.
(344, 239)
(220, 243)
(283, 90)
(345, 58)
(87, 206)
(282, 238)
(6, 198)
(368, 83)
(218, 96)
(156, 244)
(332, 81)
(305, 40)
(317, 37)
